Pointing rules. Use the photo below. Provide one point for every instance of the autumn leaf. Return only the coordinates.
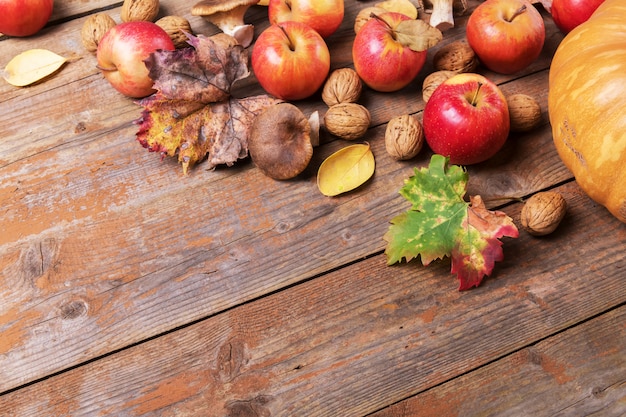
(399, 6)
(440, 223)
(31, 66)
(193, 115)
(346, 169)
(193, 130)
(417, 35)
(204, 73)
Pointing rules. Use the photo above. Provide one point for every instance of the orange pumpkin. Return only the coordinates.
(587, 105)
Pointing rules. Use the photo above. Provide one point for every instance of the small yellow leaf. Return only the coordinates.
(346, 169)
(399, 6)
(31, 66)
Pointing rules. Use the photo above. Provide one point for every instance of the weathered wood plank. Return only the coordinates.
(103, 245)
(579, 372)
(143, 259)
(363, 337)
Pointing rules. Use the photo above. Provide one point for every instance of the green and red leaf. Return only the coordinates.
(440, 223)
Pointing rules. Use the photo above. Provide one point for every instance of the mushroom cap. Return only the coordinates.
(209, 7)
(279, 142)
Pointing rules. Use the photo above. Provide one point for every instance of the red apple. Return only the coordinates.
(383, 63)
(507, 35)
(567, 14)
(24, 17)
(325, 16)
(466, 119)
(122, 51)
(290, 60)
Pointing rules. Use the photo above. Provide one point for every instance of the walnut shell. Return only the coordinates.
(137, 10)
(177, 28)
(343, 86)
(524, 112)
(543, 212)
(364, 15)
(456, 56)
(432, 81)
(348, 121)
(404, 137)
(94, 29)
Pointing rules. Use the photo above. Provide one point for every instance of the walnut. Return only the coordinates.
(135, 10)
(543, 212)
(456, 56)
(94, 29)
(524, 112)
(348, 121)
(177, 28)
(364, 15)
(343, 86)
(432, 81)
(404, 137)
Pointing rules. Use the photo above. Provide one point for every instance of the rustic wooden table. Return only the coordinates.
(127, 289)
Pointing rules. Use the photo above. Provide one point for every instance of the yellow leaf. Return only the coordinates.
(31, 66)
(399, 6)
(345, 169)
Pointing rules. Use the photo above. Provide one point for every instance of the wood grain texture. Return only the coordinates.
(130, 257)
(227, 293)
(136, 246)
(579, 372)
(366, 336)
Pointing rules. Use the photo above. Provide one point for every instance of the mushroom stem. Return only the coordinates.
(231, 23)
(442, 16)
(229, 18)
(244, 34)
(314, 123)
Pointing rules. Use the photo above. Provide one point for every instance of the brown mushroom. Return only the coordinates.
(280, 141)
(228, 16)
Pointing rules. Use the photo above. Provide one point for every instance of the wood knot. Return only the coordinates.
(282, 227)
(255, 407)
(80, 127)
(598, 392)
(73, 309)
(230, 359)
(39, 259)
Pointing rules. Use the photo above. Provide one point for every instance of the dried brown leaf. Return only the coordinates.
(192, 115)
(417, 35)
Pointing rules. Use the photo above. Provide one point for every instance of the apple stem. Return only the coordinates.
(384, 22)
(291, 45)
(475, 98)
(106, 68)
(517, 13)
